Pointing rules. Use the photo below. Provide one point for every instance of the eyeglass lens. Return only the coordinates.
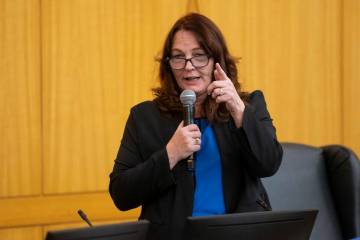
(196, 61)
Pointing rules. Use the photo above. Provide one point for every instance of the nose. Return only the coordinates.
(188, 65)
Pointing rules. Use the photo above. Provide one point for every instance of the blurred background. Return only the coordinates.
(70, 70)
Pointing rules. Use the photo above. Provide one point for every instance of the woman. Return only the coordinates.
(233, 140)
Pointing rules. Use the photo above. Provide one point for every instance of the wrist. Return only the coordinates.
(237, 115)
(171, 152)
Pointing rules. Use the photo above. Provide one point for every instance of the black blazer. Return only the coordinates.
(142, 176)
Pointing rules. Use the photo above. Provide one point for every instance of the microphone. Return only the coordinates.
(188, 98)
(84, 217)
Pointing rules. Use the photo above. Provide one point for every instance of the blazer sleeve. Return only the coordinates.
(258, 139)
(134, 180)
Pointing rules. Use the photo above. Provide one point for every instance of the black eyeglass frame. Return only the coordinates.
(168, 59)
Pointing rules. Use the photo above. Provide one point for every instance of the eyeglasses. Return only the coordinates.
(198, 61)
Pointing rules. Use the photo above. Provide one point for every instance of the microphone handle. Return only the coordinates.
(188, 114)
(190, 163)
(189, 119)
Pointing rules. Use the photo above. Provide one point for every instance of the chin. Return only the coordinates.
(196, 90)
(194, 87)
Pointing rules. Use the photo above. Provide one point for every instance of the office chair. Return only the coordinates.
(324, 178)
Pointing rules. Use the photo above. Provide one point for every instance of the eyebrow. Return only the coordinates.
(194, 49)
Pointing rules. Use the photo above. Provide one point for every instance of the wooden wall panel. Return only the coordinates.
(71, 69)
(98, 62)
(292, 51)
(20, 105)
(33, 233)
(229, 18)
(59, 209)
(351, 74)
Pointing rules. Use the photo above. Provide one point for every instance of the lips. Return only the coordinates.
(191, 78)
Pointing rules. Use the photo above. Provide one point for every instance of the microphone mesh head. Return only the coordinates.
(188, 97)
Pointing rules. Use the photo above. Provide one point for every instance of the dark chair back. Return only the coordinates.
(324, 178)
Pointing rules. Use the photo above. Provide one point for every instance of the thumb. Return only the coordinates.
(219, 73)
(181, 125)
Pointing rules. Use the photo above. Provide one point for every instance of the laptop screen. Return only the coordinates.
(121, 231)
(253, 225)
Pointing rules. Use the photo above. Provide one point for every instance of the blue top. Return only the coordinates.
(208, 197)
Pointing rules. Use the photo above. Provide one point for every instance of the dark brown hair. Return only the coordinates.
(212, 41)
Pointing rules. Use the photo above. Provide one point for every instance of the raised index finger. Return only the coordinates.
(219, 73)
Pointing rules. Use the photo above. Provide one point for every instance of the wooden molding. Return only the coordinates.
(58, 209)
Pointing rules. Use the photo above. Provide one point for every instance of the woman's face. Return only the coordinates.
(185, 45)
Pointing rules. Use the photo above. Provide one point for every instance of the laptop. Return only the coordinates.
(294, 225)
(120, 231)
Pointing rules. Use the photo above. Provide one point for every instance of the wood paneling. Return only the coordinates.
(351, 75)
(52, 210)
(98, 62)
(292, 51)
(33, 233)
(71, 69)
(20, 95)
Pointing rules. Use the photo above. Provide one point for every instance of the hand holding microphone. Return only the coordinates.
(187, 138)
